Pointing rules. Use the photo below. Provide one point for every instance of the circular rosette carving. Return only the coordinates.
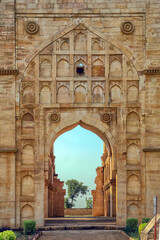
(54, 117)
(106, 117)
(32, 27)
(127, 27)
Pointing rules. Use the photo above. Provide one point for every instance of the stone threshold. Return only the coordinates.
(80, 227)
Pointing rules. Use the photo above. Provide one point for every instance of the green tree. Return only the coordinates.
(74, 189)
(67, 203)
(89, 202)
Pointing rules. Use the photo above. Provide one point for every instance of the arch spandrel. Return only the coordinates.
(125, 50)
(96, 126)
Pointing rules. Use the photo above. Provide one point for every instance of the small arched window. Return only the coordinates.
(80, 69)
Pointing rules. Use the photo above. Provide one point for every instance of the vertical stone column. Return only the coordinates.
(98, 195)
(7, 114)
(58, 197)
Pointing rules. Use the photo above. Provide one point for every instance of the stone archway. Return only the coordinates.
(85, 119)
(63, 96)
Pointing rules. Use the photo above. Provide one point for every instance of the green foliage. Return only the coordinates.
(29, 227)
(145, 220)
(67, 203)
(75, 188)
(132, 224)
(7, 235)
(134, 235)
(141, 227)
(89, 202)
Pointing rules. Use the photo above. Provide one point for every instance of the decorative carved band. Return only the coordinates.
(152, 72)
(32, 27)
(8, 150)
(151, 149)
(55, 117)
(8, 72)
(105, 117)
(127, 27)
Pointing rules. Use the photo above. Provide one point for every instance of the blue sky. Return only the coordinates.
(78, 153)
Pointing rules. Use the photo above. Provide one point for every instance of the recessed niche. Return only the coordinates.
(80, 69)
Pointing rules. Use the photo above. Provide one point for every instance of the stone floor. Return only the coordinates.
(84, 235)
(80, 221)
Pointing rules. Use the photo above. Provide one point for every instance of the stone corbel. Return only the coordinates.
(151, 72)
(151, 149)
(9, 72)
(8, 150)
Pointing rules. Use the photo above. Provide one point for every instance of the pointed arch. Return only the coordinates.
(28, 155)
(80, 68)
(130, 73)
(27, 186)
(92, 124)
(80, 94)
(95, 46)
(115, 93)
(45, 68)
(133, 211)
(115, 68)
(133, 154)
(65, 45)
(63, 68)
(63, 95)
(133, 185)
(133, 122)
(27, 123)
(132, 95)
(98, 69)
(45, 95)
(27, 213)
(98, 94)
(28, 94)
(80, 42)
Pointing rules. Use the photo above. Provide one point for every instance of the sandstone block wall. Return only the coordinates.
(78, 212)
(76, 64)
(7, 113)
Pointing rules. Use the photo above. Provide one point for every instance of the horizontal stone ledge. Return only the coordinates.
(8, 150)
(152, 72)
(151, 149)
(27, 199)
(9, 71)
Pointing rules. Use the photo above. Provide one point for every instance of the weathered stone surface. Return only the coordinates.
(79, 65)
(82, 235)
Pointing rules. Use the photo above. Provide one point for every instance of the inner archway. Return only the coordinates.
(104, 196)
(77, 155)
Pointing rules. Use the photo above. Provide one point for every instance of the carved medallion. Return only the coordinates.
(106, 117)
(127, 27)
(54, 117)
(32, 27)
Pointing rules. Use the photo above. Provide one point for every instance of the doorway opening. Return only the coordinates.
(80, 155)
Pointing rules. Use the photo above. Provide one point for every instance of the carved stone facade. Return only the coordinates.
(88, 63)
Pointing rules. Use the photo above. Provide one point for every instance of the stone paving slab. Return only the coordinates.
(84, 235)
